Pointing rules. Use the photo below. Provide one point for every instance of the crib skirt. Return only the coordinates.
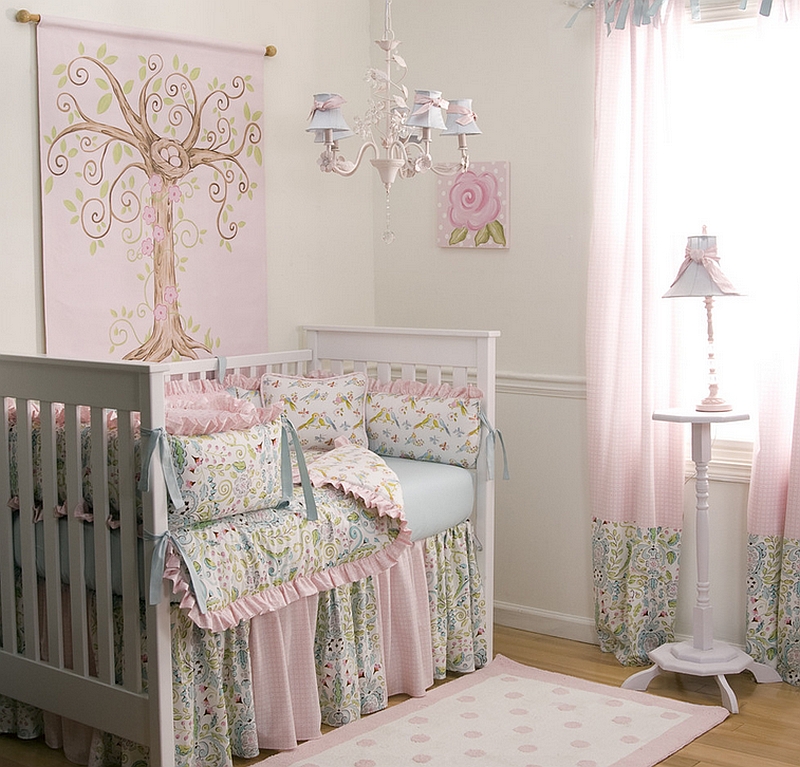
(330, 658)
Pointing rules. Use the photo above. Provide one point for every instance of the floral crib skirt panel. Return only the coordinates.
(269, 682)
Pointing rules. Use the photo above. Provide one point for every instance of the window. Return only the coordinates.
(736, 128)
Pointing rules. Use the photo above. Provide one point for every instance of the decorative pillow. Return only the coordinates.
(227, 473)
(321, 409)
(410, 419)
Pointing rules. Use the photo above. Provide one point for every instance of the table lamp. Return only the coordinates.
(700, 276)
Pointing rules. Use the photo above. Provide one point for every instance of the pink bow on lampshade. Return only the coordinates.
(700, 273)
(334, 102)
(467, 115)
(426, 103)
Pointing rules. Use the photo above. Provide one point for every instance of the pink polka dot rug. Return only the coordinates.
(510, 715)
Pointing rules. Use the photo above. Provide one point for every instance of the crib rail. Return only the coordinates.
(57, 598)
(72, 590)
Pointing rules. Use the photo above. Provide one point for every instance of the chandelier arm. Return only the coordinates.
(448, 168)
(352, 167)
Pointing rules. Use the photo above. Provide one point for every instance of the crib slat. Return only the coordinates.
(408, 372)
(55, 637)
(384, 371)
(132, 667)
(459, 377)
(9, 615)
(27, 540)
(77, 593)
(102, 554)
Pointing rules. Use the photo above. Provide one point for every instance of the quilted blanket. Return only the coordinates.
(246, 564)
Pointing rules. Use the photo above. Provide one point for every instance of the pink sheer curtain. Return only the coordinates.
(636, 465)
(773, 582)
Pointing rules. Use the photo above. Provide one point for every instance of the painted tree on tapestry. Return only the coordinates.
(137, 154)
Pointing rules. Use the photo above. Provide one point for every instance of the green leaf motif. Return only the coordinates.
(194, 74)
(104, 103)
(70, 206)
(101, 51)
(128, 87)
(48, 185)
(60, 69)
(482, 237)
(497, 232)
(458, 235)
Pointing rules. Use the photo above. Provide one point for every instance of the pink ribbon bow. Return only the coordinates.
(467, 115)
(323, 106)
(425, 103)
(709, 260)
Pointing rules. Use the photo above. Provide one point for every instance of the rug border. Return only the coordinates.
(704, 717)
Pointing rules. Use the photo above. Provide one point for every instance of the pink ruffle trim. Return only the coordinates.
(204, 407)
(420, 389)
(279, 596)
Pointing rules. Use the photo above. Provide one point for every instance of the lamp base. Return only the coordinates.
(713, 405)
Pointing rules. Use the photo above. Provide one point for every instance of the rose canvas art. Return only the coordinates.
(473, 207)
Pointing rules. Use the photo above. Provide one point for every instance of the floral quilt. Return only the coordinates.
(234, 568)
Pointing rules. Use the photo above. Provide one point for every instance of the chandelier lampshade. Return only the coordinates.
(426, 112)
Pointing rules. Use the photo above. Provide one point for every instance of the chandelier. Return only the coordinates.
(397, 133)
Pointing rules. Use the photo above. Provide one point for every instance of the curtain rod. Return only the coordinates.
(26, 17)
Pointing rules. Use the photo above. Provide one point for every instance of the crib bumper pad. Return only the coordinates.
(231, 569)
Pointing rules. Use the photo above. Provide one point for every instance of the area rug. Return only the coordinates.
(512, 715)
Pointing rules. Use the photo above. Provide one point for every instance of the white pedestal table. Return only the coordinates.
(702, 656)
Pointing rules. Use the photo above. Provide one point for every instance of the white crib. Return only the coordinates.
(98, 694)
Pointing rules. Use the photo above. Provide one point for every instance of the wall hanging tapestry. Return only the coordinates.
(473, 207)
(152, 194)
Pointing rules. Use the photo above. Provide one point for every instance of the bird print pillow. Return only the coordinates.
(410, 419)
(321, 409)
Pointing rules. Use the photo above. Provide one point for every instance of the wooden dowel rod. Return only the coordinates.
(26, 17)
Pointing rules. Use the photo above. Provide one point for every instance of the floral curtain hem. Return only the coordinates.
(635, 587)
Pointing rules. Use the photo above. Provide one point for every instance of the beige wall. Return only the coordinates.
(532, 83)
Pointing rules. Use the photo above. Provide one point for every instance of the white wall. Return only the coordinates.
(532, 84)
(532, 81)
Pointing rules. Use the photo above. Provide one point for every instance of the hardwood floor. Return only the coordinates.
(766, 732)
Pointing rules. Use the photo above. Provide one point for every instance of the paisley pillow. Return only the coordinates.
(227, 473)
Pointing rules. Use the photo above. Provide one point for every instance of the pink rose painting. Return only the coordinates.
(473, 207)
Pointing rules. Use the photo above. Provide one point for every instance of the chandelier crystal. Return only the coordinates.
(397, 133)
